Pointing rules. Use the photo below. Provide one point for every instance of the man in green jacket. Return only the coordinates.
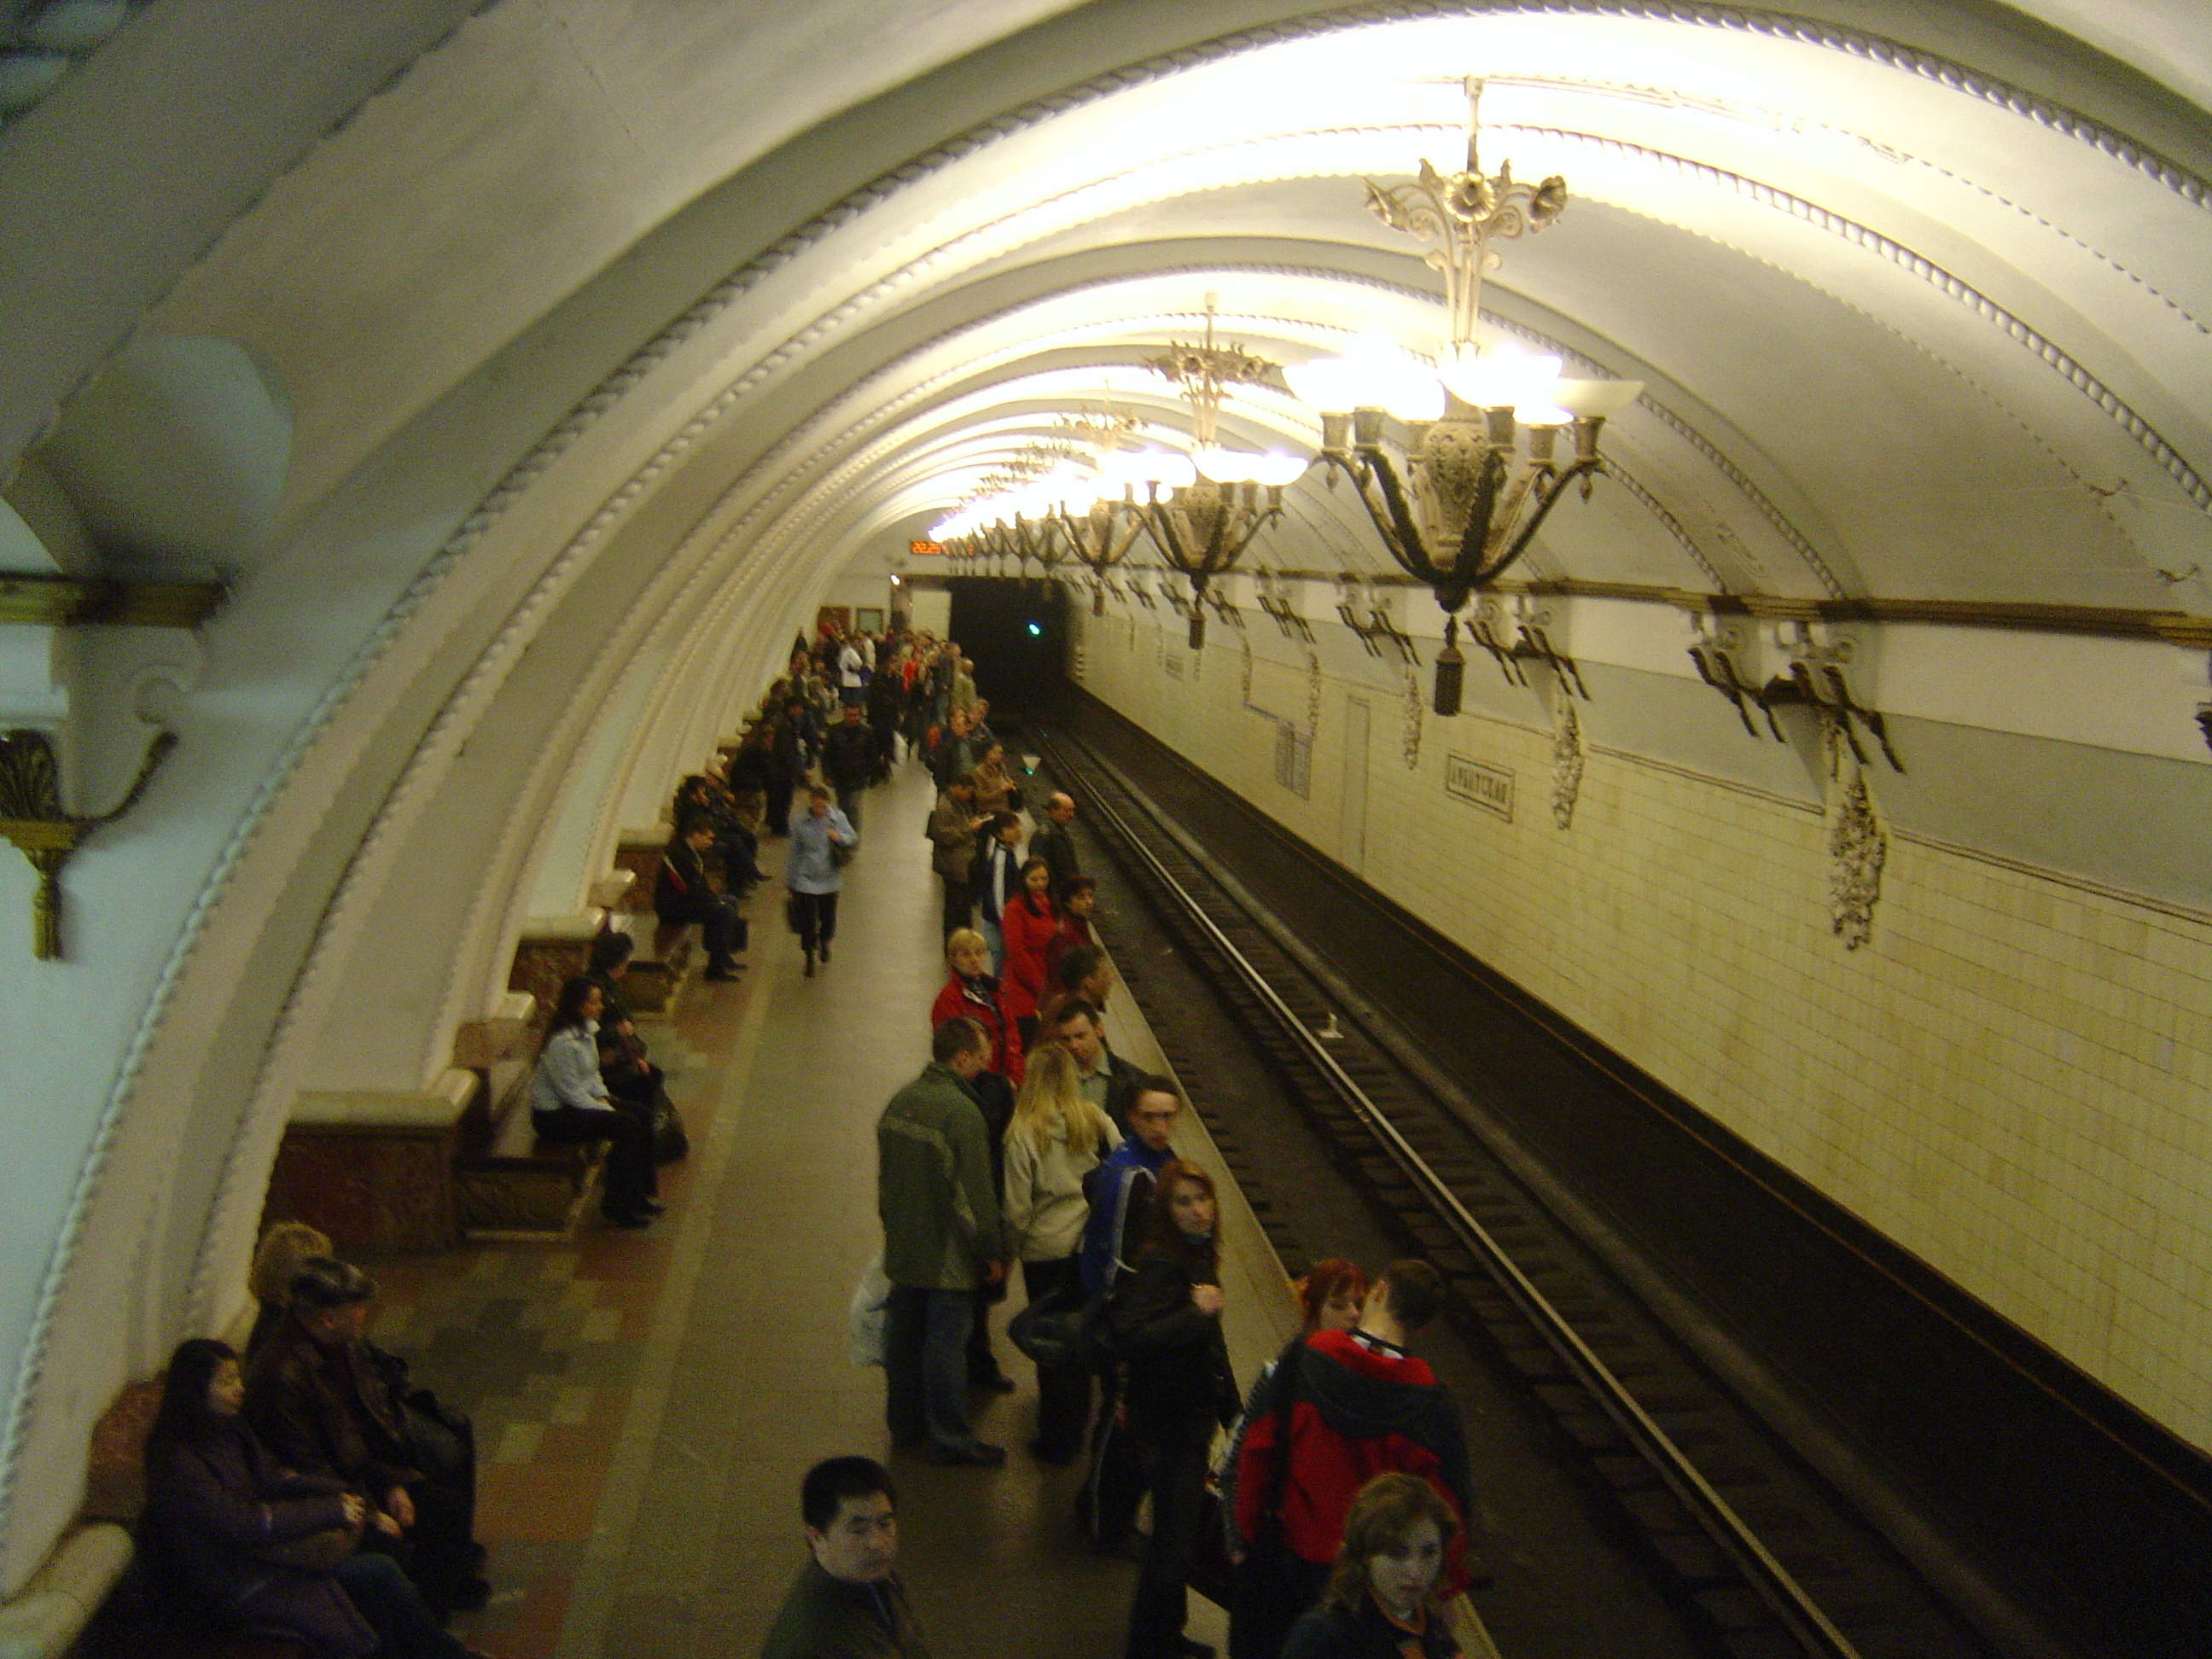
(846, 1602)
(942, 1241)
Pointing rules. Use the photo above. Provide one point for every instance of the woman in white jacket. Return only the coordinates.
(570, 1104)
(1056, 1139)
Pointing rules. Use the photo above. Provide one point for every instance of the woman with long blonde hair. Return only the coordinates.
(1057, 1137)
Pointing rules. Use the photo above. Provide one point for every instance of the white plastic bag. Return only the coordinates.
(869, 1318)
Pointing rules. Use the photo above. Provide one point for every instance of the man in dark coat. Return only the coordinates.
(319, 1403)
(849, 760)
(1051, 841)
(682, 896)
(847, 1601)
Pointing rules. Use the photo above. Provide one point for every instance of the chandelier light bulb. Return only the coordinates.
(1503, 377)
(1542, 414)
(1598, 398)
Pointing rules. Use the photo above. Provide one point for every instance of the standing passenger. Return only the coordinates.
(820, 842)
(847, 1601)
(943, 1243)
(849, 760)
(1027, 925)
(998, 877)
(1055, 1140)
(1055, 844)
(1379, 1604)
(1166, 1321)
(952, 826)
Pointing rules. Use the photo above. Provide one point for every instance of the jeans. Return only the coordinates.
(995, 938)
(405, 1627)
(925, 1366)
(848, 803)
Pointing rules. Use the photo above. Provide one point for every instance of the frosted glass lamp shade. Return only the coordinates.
(1601, 399)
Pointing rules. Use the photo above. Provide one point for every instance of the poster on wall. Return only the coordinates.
(868, 619)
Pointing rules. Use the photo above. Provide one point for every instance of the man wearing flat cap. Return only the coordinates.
(318, 1400)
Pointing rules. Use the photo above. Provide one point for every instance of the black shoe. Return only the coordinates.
(632, 1220)
(996, 1381)
(825, 952)
(651, 1207)
(722, 970)
(974, 1455)
(809, 966)
(465, 1596)
(1191, 1648)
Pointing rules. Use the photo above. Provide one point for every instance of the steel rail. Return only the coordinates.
(1767, 1576)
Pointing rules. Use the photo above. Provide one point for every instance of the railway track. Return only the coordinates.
(1762, 1558)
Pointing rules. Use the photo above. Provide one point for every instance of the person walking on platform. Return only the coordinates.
(570, 1105)
(1166, 1323)
(1055, 1140)
(847, 1601)
(1052, 841)
(1346, 1406)
(1381, 1603)
(849, 760)
(943, 1243)
(952, 827)
(822, 839)
(682, 896)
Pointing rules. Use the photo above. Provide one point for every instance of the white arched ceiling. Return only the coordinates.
(606, 342)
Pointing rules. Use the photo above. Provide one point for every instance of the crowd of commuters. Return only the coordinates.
(307, 1491)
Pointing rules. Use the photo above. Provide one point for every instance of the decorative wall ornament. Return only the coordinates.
(1567, 753)
(1857, 847)
(1313, 694)
(32, 819)
(1245, 683)
(1416, 706)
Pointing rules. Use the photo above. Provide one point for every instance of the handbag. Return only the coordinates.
(840, 853)
(868, 1317)
(670, 1143)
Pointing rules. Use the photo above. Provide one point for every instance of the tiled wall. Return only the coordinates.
(2011, 1079)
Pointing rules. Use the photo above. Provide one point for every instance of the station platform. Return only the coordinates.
(646, 1402)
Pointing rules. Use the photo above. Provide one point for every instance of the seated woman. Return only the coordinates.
(569, 1105)
(1378, 1605)
(259, 1548)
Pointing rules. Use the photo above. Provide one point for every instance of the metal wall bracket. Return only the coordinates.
(33, 820)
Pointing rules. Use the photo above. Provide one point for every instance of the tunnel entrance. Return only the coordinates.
(1016, 631)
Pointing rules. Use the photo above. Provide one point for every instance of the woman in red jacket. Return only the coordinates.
(1028, 923)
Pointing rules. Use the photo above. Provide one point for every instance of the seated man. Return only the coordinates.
(319, 1402)
(846, 1602)
(682, 896)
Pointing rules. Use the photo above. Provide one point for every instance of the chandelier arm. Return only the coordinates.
(1400, 534)
(1547, 497)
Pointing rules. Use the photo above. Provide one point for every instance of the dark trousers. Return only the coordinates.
(721, 927)
(1063, 1391)
(1175, 1474)
(405, 1627)
(926, 1367)
(740, 851)
(780, 792)
(816, 914)
(959, 903)
(629, 1135)
(849, 802)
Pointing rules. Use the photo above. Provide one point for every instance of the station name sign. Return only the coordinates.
(1490, 787)
(927, 550)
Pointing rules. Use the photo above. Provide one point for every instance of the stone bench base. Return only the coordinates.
(508, 1187)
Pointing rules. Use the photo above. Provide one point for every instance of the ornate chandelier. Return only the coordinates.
(1213, 507)
(1472, 499)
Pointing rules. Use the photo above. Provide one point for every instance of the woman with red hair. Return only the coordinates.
(1166, 1321)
